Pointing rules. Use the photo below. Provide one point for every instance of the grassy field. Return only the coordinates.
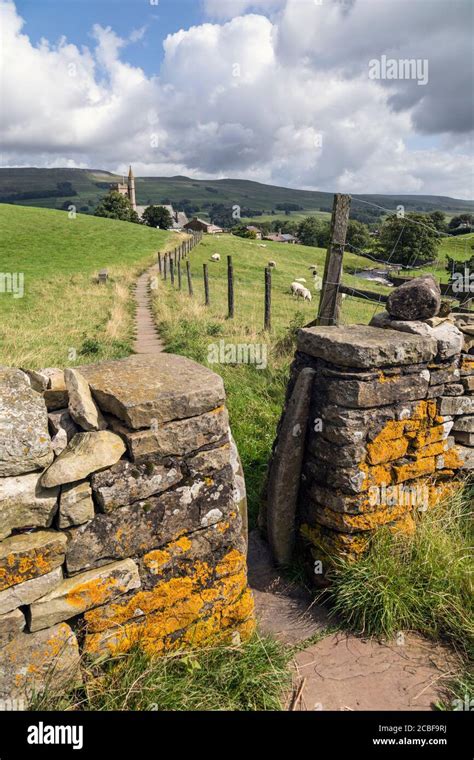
(64, 313)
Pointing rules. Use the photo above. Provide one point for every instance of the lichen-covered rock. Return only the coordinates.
(240, 489)
(143, 389)
(11, 624)
(25, 444)
(459, 457)
(178, 438)
(82, 407)
(86, 453)
(457, 405)
(33, 662)
(62, 428)
(384, 391)
(82, 592)
(24, 503)
(363, 346)
(133, 530)
(464, 424)
(418, 299)
(210, 460)
(76, 506)
(125, 483)
(29, 555)
(24, 593)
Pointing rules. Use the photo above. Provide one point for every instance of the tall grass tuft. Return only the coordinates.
(421, 582)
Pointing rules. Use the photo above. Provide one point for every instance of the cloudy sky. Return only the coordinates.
(279, 91)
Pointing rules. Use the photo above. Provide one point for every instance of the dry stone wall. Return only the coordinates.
(379, 424)
(121, 506)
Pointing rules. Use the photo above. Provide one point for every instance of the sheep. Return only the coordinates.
(262, 245)
(300, 279)
(272, 264)
(216, 257)
(299, 290)
(313, 267)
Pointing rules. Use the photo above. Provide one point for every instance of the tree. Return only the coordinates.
(439, 220)
(410, 240)
(358, 235)
(243, 232)
(157, 216)
(114, 205)
(312, 231)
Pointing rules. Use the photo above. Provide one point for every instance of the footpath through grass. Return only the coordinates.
(64, 316)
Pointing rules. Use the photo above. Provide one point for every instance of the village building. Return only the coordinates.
(200, 225)
(279, 237)
(256, 230)
(127, 188)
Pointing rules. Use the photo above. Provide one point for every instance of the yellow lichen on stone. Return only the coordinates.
(94, 592)
(355, 523)
(381, 451)
(416, 469)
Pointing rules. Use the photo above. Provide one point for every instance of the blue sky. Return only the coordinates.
(74, 19)
(277, 91)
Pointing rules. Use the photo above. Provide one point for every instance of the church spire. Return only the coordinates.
(131, 189)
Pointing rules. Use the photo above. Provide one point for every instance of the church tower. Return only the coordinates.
(131, 189)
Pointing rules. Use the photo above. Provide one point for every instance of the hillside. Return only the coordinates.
(63, 311)
(56, 188)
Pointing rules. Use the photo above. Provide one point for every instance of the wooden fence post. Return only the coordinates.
(165, 267)
(159, 263)
(172, 271)
(268, 299)
(230, 287)
(206, 284)
(330, 300)
(190, 282)
(178, 267)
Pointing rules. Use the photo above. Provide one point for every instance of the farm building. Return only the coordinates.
(257, 230)
(200, 225)
(279, 237)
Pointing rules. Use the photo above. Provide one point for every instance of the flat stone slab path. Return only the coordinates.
(337, 670)
(147, 340)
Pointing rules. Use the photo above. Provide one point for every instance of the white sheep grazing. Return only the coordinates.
(272, 264)
(216, 257)
(300, 279)
(262, 245)
(300, 291)
(306, 294)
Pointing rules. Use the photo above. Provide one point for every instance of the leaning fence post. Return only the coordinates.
(172, 271)
(206, 284)
(268, 299)
(178, 267)
(159, 263)
(165, 267)
(230, 287)
(330, 300)
(188, 272)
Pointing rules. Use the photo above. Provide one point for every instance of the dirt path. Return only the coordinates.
(147, 340)
(339, 671)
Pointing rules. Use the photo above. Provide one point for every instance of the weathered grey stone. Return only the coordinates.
(240, 489)
(25, 445)
(418, 299)
(33, 662)
(468, 383)
(464, 424)
(285, 471)
(450, 339)
(354, 393)
(457, 405)
(11, 624)
(29, 555)
(143, 389)
(86, 453)
(134, 530)
(82, 407)
(453, 389)
(28, 591)
(210, 460)
(62, 428)
(82, 592)
(465, 455)
(50, 382)
(25, 504)
(339, 502)
(363, 346)
(466, 439)
(449, 375)
(345, 456)
(125, 483)
(178, 438)
(75, 505)
(436, 390)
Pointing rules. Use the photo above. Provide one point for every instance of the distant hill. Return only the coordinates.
(58, 188)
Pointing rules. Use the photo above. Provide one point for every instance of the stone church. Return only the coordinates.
(128, 188)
